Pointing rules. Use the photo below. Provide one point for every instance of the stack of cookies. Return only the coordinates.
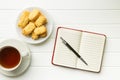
(33, 24)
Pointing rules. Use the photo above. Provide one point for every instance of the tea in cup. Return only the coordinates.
(10, 58)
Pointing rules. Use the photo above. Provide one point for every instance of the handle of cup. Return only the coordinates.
(25, 53)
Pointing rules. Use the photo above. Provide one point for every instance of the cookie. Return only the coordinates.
(34, 36)
(43, 35)
(40, 30)
(40, 21)
(28, 29)
(23, 19)
(34, 14)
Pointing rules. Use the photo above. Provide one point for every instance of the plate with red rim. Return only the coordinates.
(49, 27)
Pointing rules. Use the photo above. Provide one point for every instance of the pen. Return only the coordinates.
(68, 45)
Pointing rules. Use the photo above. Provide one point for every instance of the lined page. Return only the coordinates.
(63, 55)
(91, 50)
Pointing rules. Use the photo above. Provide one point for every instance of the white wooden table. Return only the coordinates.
(102, 16)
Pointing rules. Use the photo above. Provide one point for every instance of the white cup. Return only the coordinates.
(6, 56)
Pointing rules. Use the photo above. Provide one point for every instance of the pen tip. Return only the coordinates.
(84, 61)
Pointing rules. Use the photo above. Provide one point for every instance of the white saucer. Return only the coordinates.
(25, 61)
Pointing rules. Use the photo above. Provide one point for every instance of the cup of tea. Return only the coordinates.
(10, 57)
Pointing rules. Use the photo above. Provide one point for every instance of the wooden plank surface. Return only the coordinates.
(58, 73)
(62, 4)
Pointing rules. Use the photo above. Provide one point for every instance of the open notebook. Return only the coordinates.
(89, 45)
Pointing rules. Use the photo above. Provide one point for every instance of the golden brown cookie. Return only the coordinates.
(23, 19)
(43, 35)
(40, 30)
(34, 14)
(40, 21)
(35, 37)
(28, 29)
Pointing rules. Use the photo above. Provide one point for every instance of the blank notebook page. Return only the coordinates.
(63, 55)
(91, 50)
